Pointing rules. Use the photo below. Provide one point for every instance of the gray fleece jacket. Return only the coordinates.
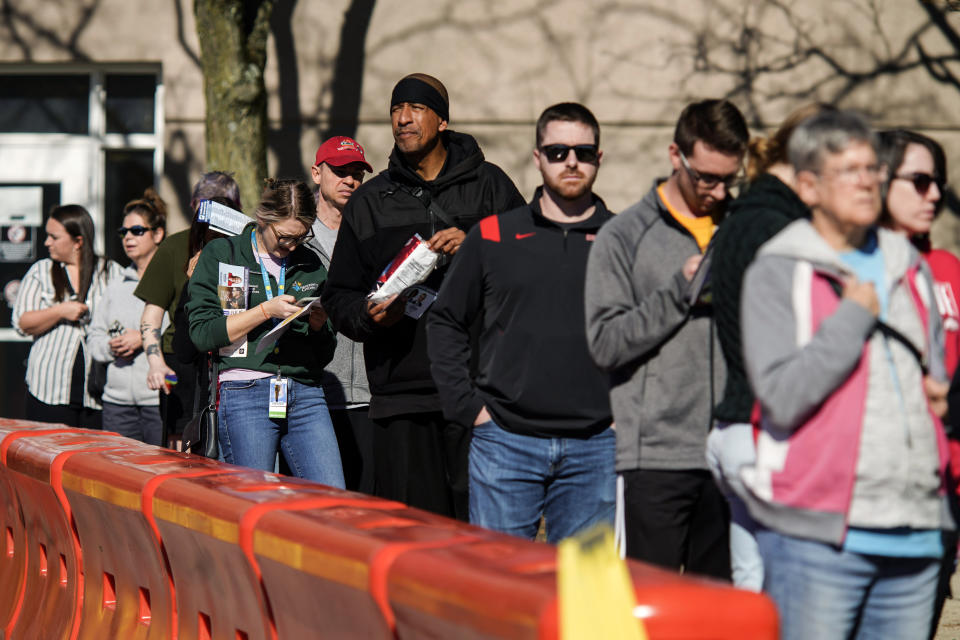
(126, 378)
(848, 438)
(660, 352)
(344, 380)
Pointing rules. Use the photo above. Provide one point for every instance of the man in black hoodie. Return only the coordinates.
(539, 407)
(437, 185)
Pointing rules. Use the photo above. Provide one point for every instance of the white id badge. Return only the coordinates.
(419, 299)
(278, 398)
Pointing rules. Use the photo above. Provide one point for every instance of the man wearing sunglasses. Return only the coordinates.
(437, 185)
(340, 167)
(654, 336)
(538, 406)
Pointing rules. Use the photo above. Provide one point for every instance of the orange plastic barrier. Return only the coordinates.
(328, 565)
(48, 607)
(109, 538)
(129, 591)
(13, 561)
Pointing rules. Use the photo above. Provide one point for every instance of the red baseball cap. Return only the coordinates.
(341, 150)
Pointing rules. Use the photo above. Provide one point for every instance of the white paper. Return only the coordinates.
(222, 218)
(269, 339)
(412, 271)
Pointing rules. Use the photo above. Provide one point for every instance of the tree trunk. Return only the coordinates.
(233, 51)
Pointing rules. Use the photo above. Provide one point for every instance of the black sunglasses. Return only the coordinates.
(921, 181)
(136, 230)
(559, 152)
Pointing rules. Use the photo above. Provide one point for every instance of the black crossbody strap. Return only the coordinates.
(890, 332)
(432, 206)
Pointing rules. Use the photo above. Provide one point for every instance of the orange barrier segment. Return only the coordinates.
(674, 607)
(499, 590)
(327, 564)
(13, 562)
(50, 602)
(506, 588)
(129, 592)
(199, 520)
(13, 559)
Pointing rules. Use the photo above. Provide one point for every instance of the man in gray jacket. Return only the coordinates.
(651, 330)
(339, 168)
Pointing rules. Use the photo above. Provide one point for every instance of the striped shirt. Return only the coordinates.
(50, 364)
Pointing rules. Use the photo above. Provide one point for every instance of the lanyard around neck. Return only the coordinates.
(268, 290)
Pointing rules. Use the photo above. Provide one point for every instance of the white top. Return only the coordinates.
(50, 364)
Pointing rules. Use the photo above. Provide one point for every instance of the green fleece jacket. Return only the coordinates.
(301, 353)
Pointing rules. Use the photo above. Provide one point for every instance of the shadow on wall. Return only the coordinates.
(346, 88)
(285, 142)
(178, 162)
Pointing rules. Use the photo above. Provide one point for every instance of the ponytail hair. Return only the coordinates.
(151, 207)
(764, 152)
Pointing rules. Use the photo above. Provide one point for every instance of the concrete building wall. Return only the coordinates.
(331, 66)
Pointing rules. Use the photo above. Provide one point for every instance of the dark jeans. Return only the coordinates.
(677, 519)
(176, 409)
(68, 414)
(133, 421)
(421, 459)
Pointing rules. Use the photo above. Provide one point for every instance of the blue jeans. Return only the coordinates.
(250, 438)
(824, 592)
(515, 478)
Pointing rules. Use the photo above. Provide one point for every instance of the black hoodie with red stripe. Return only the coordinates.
(522, 276)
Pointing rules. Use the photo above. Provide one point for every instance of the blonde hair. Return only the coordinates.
(286, 198)
(764, 152)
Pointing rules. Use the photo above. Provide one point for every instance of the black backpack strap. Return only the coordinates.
(889, 332)
(432, 206)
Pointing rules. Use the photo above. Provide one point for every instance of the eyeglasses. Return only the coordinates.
(137, 230)
(921, 181)
(711, 180)
(559, 152)
(854, 174)
(292, 241)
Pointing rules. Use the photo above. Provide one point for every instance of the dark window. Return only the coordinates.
(130, 103)
(126, 175)
(45, 103)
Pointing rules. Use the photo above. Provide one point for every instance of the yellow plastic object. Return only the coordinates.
(595, 591)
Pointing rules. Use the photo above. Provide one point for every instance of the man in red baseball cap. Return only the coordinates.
(339, 169)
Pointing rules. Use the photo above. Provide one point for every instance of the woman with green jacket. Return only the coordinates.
(243, 287)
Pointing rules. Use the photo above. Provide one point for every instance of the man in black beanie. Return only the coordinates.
(437, 185)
